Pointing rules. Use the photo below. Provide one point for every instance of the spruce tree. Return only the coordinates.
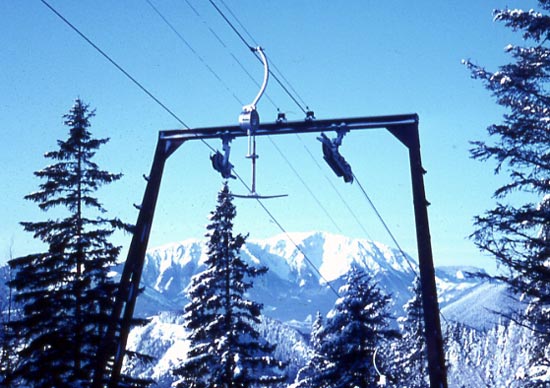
(226, 349)
(411, 358)
(516, 230)
(355, 328)
(66, 292)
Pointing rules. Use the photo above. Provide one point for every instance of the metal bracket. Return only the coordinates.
(249, 119)
(332, 155)
(220, 161)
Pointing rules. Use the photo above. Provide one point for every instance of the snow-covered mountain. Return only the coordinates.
(304, 271)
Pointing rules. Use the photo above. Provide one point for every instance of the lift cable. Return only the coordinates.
(231, 25)
(223, 83)
(165, 20)
(222, 43)
(299, 97)
(256, 44)
(136, 82)
(253, 49)
(188, 45)
(241, 37)
(384, 223)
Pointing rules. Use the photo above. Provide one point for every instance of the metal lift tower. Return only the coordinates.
(403, 127)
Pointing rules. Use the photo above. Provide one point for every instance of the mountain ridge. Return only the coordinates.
(291, 281)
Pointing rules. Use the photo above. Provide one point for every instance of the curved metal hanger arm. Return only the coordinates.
(266, 75)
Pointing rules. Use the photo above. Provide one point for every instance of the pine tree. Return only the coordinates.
(410, 363)
(516, 230)
(226, 349)
(66, 292)
(355, 328)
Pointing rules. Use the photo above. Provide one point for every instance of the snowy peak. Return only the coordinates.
(294, 261)
(293, 290)
(330, 253)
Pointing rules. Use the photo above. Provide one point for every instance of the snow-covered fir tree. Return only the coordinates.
(316, 338)
(226, 349)
(8, 341)
(410, 362)
(496, 357)
(308, 376)
(513, 231)
(355, 328)
(66, 292)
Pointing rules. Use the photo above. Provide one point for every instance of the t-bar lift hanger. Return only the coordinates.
(249, 121)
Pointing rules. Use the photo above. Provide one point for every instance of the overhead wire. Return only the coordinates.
(122, 70)
(137, 83)
(241, 37)
(218, 38)
(271, 60)
(386, 227)
(161, 104)
(187, 127)
(188, 45)
(384, 224)
(89, 41)
(114, 63)
(253, 50)
(224, 45)
(312, 265)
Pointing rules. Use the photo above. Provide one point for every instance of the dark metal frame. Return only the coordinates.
(403, 127)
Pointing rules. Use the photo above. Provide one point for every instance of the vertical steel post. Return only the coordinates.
(119, 327)
(434, 338)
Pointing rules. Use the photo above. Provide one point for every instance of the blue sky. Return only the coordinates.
(344, 59)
